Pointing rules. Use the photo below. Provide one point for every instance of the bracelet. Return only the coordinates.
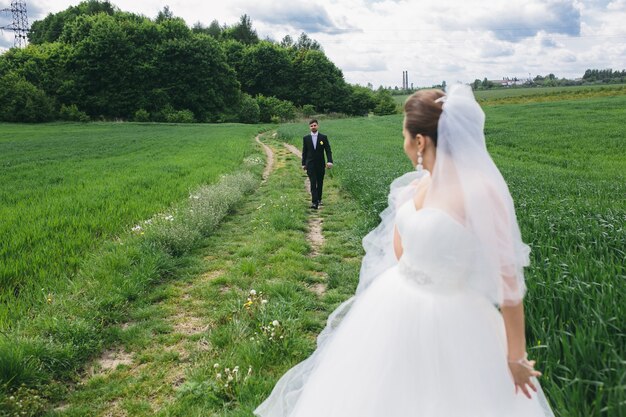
(523, 362)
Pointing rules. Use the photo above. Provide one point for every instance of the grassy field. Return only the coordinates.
(171, 310)
(565, 163)
(200, 325)
(66, 188)
(526, 94)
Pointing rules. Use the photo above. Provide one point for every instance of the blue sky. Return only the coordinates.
(373, 41)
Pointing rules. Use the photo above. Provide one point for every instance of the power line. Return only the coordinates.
(20, 23)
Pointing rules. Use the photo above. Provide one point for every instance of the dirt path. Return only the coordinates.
(185, 327)
(315, 235)
(269, 166)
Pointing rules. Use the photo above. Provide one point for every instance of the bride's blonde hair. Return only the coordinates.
(422, 113)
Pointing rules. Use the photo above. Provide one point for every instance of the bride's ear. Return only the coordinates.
(421, 142)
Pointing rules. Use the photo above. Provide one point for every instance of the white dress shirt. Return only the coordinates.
(314, 137)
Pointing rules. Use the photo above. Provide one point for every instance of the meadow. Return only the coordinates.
(565, 163)
(66, 188)
(180, 306)
(528, 94)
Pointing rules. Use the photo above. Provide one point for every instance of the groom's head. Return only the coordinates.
(313, 125)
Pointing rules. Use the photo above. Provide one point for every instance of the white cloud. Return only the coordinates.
(375, 40)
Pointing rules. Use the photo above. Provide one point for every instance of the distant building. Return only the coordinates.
(508, 82)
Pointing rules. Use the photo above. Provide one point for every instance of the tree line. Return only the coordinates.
(591, 76)
(95, 62)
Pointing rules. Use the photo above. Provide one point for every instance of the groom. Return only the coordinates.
(313, 147)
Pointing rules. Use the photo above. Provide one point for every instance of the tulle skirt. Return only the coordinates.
(403, 350)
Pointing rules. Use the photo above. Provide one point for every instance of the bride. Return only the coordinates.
(436, 327)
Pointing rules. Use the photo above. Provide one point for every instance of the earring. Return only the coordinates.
(419, 167)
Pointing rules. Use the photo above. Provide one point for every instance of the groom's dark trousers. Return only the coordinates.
(313, 160)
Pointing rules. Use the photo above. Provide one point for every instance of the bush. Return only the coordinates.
(23, 102)
(180, 116)
(142, 115)
(249, 110)
(361, 101)
(308, 110)
(272, 106)
(384, 103)
(71, 113)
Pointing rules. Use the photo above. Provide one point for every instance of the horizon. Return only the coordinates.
(375, 41)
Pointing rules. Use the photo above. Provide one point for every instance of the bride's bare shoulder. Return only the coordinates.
(421, 188)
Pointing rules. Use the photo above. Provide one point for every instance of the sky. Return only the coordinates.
(374, 41)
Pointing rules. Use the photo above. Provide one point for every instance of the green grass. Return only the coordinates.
(565, 163)
(45, 352)
(178, 316)
(172, 371)
(67, 188)
(527, 94)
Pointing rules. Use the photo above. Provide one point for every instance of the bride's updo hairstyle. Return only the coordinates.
(422, 113)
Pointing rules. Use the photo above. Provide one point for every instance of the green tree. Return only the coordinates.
(305, 42)
(141, 115)
(248, 110)
(274, 108)
(361, 101)
(319, 82)
(193, 74)
(23, 102)
(242, 31)
(286, 42)
(267, 69)
(165, 14)
(234, 51)
(384, 103)
(308, 110)
(110, 63)
(50, 28)
(44, 66)
(72, 113)
(214, 29)
(102, 67)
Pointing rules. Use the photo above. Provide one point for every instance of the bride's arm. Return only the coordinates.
(521, 369)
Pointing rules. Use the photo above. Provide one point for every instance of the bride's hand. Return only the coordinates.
(522, 371)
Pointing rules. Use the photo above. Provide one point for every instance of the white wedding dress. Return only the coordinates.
(422, 336)
(416, 342)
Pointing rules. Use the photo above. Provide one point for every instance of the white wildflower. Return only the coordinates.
(252, 292)
(275, 323)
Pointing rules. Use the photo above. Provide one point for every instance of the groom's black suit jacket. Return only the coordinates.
(313, 158)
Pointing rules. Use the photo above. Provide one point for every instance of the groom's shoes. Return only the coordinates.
(314, 206)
